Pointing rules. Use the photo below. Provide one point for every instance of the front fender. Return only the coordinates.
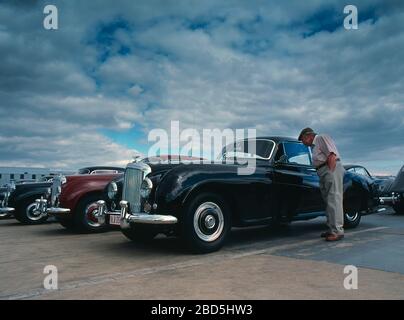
(18, 196)
(359, 190)
(74, 190)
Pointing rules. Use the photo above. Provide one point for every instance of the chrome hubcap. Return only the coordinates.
(351, 216)
(90, 215)
(32, 213)
(208, 221)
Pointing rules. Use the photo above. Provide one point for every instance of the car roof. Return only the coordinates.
(277, 139)
(102, 168)
(350, 166)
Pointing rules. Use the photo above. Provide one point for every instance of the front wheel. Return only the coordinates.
(206, 223)
(26, 212)
(85, 219)
(352, 219)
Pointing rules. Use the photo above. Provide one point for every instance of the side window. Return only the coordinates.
(361, 171)
(297, 153)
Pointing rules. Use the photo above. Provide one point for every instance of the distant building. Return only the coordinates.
(22, 174)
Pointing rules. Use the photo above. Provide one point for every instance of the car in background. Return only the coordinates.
(395, 193)
(23, 198)
(200, 202)
(388, 190)
(72, 200)
(382, 184)
(5, 192)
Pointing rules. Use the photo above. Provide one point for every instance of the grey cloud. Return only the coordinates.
(246, 65)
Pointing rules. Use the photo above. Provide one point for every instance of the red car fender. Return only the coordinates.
(78, 186)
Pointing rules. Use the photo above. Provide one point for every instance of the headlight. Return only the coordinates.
(146, 188)
(112, 190)
(63, 180)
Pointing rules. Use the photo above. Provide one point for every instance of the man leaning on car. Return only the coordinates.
(327, 161)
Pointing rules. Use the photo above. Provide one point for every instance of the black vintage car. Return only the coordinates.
(394, 194)
(382, 183)
(200, 202)
(388, 190)
(21, 199)
(5, 192)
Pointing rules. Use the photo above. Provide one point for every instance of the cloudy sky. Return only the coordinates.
(91, 91)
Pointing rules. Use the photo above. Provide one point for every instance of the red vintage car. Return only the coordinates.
(73, 199)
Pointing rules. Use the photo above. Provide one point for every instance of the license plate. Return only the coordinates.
(115, 220)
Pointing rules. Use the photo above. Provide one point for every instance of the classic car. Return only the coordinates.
(395, 193)
(24, 195)
(5, 192)
(200, 202)
(72, 200)
(388, 190)
(382, 184)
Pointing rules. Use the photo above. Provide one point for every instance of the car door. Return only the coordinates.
(297, 179)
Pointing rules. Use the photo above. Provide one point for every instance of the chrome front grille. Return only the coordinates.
(131, 188)
(134, 175)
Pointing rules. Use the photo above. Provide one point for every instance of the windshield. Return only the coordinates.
(257, 149)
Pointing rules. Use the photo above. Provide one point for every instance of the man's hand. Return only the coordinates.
(332, 161)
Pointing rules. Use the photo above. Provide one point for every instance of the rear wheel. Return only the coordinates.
(352, 219)
(25, 212)
(206, 223)
(84, 215)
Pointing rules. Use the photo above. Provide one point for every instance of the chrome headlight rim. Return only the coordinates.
(63, 180)
(112, 190)
(146, 188)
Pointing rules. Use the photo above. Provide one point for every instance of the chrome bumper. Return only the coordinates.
(5, 211)
(57, 211)
(127, 218)
(393, 199)
(42, 208)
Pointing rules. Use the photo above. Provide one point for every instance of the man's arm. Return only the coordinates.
(332, 161)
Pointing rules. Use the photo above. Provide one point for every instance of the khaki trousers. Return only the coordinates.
(332, 190)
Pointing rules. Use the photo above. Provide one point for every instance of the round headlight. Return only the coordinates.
(112, 190)
(146, 188)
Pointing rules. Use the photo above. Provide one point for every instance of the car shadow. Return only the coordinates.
(238, 237)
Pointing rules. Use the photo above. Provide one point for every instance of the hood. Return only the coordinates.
(91, 177)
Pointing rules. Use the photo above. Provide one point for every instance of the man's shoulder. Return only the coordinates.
(324, 137)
